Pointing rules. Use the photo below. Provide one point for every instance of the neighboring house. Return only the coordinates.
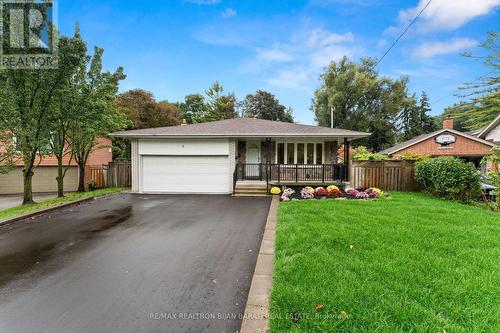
(491, 132)
(44, 178)
(471, 147)
(212, 157)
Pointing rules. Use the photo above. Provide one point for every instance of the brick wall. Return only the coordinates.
(462, 147)
(100, 156)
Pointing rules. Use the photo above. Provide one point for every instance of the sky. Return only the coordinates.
(178, 47)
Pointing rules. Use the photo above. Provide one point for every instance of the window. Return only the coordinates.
(319, 153)
(300, 153)
(310, 153)
(281, 153)
(290, 153)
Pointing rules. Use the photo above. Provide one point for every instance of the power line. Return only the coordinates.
(403, 33)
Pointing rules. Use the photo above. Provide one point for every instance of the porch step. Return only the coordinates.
(249, 188)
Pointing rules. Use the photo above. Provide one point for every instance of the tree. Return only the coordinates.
(483, 95)
(413, 119)
(8, 155)
(61, 116)
(95, 92)
(361, 100)
(193, 107)
(143, 111)
(27, 97)
(220, 106)
(264, 105)
(426, 122)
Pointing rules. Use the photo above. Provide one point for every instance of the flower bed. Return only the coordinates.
(330, 192)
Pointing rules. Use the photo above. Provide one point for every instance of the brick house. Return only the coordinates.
(44, 179)
(447, 141)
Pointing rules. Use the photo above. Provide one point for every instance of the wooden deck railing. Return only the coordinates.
(291, 173)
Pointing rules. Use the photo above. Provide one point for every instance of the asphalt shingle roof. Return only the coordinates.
(241, 127)
(410, 142)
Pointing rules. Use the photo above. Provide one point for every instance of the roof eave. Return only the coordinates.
(488, 128)
(352, 136)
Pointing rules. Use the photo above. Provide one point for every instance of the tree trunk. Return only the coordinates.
(28, 190)
(81, 178)
(60, 178)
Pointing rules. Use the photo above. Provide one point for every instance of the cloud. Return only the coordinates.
(320, 37)
(447, 14)
(204, 2)
(432, 49)
(297, 63)
(229, 12)
(274, 55)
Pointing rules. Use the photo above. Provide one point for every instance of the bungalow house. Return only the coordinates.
(44, 178)
(447, 141)
(245, 154)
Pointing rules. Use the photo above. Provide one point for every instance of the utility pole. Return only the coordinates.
(331, 116)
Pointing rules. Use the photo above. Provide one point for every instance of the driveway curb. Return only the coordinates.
(256, 319)
(50, 209)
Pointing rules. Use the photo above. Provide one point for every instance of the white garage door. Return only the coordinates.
(185, 174)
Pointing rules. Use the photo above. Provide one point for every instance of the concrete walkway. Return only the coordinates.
(256, 318)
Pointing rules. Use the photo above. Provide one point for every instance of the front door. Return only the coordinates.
(252, 160)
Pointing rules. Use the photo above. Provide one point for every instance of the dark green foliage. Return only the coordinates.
(215, 105)
(449, 177)
(362, 100)
(264, 105)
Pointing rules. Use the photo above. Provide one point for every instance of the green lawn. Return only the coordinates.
(21, 210)
(409, 263)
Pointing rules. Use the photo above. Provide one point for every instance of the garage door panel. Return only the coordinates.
(185, 174)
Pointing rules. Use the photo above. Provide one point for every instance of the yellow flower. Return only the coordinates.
(275, 190)
(344, 314)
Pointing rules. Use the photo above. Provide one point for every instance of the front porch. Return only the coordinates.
(292, 161)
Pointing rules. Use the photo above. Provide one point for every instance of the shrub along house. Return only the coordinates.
(243, 153)
(471, 147)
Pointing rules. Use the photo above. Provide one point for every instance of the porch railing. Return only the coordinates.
(286, 173)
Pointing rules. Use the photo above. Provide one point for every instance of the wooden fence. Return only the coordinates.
(115, 174)
(386, 175)
(97, 174)
(119, 174)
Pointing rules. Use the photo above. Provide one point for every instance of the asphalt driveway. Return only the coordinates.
(132, 263)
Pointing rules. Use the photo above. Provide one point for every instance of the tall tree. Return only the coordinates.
(144, 111)
(220, 106)
(27, 97)
(95, 92)
(264, 105)
(413, 119)
(426, 122)
(482, 96)
(192, 108)
(61, 116)
(361, 99)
